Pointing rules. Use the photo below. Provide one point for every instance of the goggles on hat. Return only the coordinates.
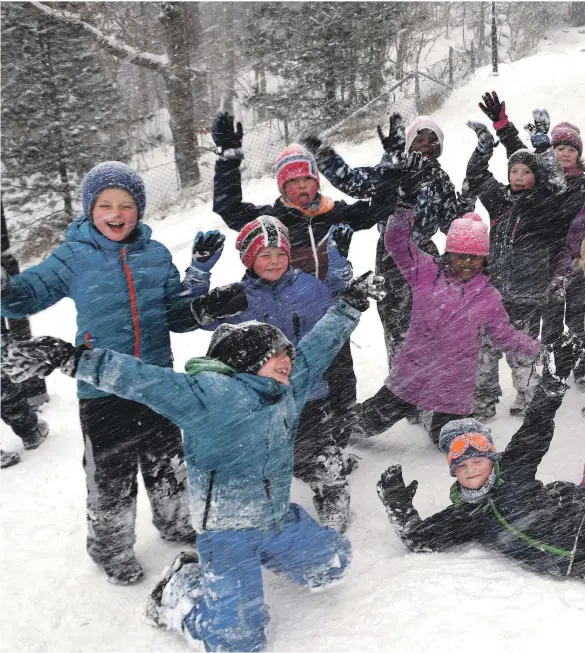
(461, 444)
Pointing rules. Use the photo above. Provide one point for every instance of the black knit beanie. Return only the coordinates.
(246, 347)
(529, 159)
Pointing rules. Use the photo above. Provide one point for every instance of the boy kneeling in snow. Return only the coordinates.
(239, 409)
(497, 500)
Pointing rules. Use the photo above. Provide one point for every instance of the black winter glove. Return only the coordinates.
(396, 139)
(224, 135)
(393, 492)
(341, 235)
(494, 109)
(561, 358)
(206, 246)
(538, 130)
(219, 303)
(485, 141)
(39, 357)
(358, 290)
(310, 140)
(415, 172)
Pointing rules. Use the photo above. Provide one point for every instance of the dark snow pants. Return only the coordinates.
(119, 437)
(16, 411)
(384, 409)
(575, 310)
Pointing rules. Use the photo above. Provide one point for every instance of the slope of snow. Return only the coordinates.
(53, 598)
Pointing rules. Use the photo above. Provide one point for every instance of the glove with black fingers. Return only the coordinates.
(414, 174)
(560, 358)
(494, 109)
(396, 139)
(310, 140)
(340, 237)
(226, 138)
(360, 289)
(538, 129)
(25, 359)
(219, 303)
(394, 494)
(207, 248)
(485, 140)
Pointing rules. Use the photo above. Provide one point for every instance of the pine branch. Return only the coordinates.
(157, 62)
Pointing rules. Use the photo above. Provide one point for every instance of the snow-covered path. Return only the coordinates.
(53, 598)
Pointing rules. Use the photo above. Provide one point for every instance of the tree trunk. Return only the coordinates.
(230, 56)
(180, 98)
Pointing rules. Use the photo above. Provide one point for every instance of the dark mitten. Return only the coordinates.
(359, 290)
(396, 139)
(207, 248)
(565, 351)
(414, 174)
(219, 303)
(223, 133)
(397, 499)
(310, 140)
(494, 109)
(485, 141)
(341, 235)
(538, 130)
(39, 357)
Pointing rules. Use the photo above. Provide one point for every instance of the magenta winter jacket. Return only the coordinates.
(572, 248)
(436, 367)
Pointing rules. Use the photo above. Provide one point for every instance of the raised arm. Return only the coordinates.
(339, 271)
(40, 286)
(495, 110)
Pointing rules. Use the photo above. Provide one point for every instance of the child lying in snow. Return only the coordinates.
(497, 500)
(239, 412)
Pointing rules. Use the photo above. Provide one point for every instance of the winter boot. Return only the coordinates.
(9, 458)
(185, 535)
(182, 578)
(485, 410)
(414, 417)
(33, 439)
(332, 505)
(519, 406)
(123, 569)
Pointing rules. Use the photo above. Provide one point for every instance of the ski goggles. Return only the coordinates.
(461, 444)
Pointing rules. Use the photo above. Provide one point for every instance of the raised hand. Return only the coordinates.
(25, 359)
(310, 140)
(538, 129)
(341, 235)
(485, 140)
(207, 248)
(223, 133)
(359, 290)
(392, 490)
(219, 303)
(494, 109)
(410, 183)
(396, 139)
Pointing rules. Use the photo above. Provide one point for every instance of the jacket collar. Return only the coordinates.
(82, 230)
(326, 204)
(252, 281)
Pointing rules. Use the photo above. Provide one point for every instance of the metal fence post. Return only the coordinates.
(450, 66)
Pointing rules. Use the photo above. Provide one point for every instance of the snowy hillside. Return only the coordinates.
(53, 598)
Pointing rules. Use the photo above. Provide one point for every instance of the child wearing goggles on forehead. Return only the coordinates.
(496, 499)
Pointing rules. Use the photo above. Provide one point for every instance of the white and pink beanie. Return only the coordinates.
(293, 162)
(468, 235)
(420, 123)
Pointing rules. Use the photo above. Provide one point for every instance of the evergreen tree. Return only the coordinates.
(60, 116)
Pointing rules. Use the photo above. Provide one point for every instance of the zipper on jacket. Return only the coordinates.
(314, 249)
(267, 488)
(208, 499)
(87, 340)
(296, 324)
(133, 305)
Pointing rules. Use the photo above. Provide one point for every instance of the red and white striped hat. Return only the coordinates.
(293, 162)
(264, 231)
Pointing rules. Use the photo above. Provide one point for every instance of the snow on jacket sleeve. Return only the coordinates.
(355, 182)
(165, 391)
(530, 443)
(553, 176)
(196, 281)
(179, 316)
(40, 286)
(319, 347)
(227, 196)
(504, 335)
(510, 139)
(412, 261)
(481, 182)
(339, 270)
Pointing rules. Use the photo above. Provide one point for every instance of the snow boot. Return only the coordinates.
(123, 569)
(185, 535)
(33, 439)
(414, 417)
(332, 505)
(519, 406)
(182, 578)
(9, 458)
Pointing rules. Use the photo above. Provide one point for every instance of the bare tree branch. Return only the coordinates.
(157, 62)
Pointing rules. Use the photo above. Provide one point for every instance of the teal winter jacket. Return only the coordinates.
(238, 429)
(127, 295)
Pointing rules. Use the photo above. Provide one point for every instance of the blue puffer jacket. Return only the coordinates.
(127, 295)
(238, 429)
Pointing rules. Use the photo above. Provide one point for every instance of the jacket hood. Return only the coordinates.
(82, 230)
(200, 364)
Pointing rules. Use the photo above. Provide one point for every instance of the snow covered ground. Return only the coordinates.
(53, 598)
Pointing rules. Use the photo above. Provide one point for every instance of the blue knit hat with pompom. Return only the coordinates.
(112, 174)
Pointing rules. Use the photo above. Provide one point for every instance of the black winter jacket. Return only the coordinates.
(540, 526)
(307, 233)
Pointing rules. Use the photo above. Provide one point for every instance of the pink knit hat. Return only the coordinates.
(294, 161)
(566, 133)
(420, 123)
(468, 235)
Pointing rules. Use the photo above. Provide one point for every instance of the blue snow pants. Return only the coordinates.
(231, 615)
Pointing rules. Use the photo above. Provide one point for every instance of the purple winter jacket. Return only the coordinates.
(436, 366)
(572, 248)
